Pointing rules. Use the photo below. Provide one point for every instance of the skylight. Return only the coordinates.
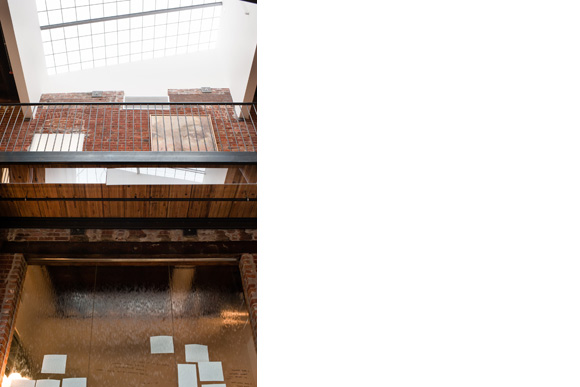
(83, 34)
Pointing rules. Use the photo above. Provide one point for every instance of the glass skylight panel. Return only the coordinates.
(89, 43)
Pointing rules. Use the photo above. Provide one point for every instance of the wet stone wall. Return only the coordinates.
(13, 271)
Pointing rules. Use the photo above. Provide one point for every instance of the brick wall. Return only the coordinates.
(12, 271)
(124, 235)
(112, 128)
(107, 96)
(196, 95)
(249, 271)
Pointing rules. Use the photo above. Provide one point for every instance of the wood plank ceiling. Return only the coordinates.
(128, 201)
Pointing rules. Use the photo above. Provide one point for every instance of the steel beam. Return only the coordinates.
(129, 15)
(131, 223)
(130, 249)
(125, 158)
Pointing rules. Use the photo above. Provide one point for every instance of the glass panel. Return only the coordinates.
(102, 318)
(166, 28)
(210, 299)
(131, 305)
(55, 317)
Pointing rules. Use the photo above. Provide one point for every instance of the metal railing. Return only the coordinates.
(184, 131)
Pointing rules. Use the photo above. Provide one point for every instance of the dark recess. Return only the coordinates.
(8, 91)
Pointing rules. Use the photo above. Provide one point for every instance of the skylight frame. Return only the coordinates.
(122, 38)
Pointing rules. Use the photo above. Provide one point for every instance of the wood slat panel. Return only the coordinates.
(221, 209)
(178, 209)
(26, 208)
(65, 191)
(113, 209)
(158, 209)
(90, 209)
(52, 209)
(127, 209)
(12, 208)
(200, 209)
(137, 209)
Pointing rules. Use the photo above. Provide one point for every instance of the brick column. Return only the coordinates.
(12, 271)
(248, 269)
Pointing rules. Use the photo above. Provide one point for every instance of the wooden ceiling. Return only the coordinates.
(126, 201)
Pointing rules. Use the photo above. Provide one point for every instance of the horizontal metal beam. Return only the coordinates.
(130, 223)
(125, 158)
(130, 249)
(30, 260)
(143, 103)
(129, 15)
(11, 199)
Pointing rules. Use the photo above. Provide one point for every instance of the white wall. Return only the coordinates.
(237, 45)
(24, 43)
(145, 78)
(228, 66)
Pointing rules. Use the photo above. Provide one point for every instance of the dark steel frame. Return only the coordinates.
(131, 223)
(140, 158)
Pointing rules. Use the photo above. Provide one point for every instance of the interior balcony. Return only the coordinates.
(128, 160)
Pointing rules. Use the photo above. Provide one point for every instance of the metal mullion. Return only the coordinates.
(49, 130)
(241, 135)
(133, 110)
(13, 126)
(65, 46)
(178, 128)
(253, 126)
(72, 129)
(88, 123)
(28, 127)
(96, 127)
(186, 126)
(58, 127)
(170, 121)
(119, 129)
(194, 128)
(141, 126)
(127, 16)
(19, 130)
(234, 132)
(103, 128)
(127, 128)
(92, 49)
(48, 134)
(81, 129)
(65, 125)
(199, 32)
(7, 125)
(211, 27)
(231, 125)
(157, 127)
(201, 124)
(110, 123)
(2, 120)
(222, 113)
(143, 33)
(163, 121)
(188, 32)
